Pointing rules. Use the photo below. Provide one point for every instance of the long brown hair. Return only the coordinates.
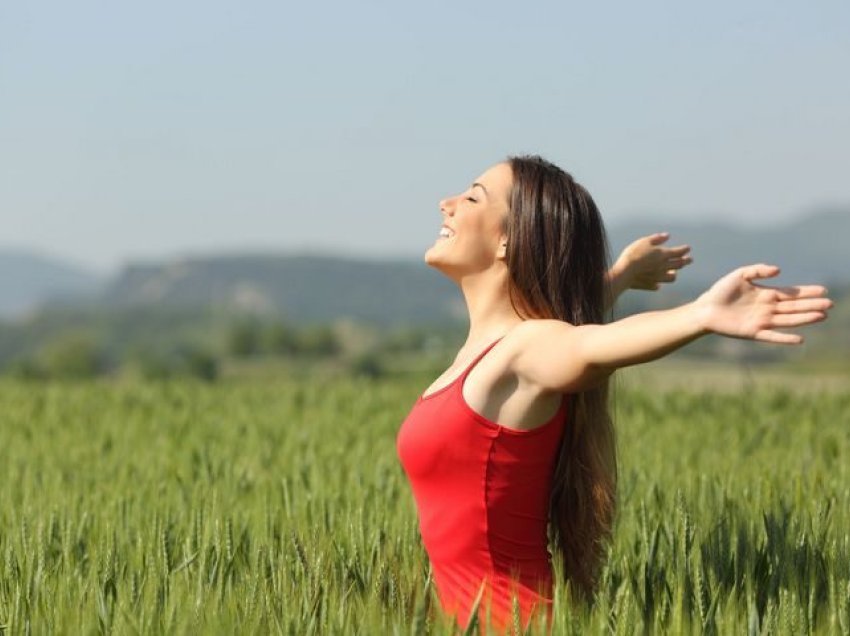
(557, 254)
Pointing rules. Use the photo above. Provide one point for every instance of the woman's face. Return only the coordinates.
(472, 236)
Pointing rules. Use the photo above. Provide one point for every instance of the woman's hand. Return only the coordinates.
(738, 307)
(644, 264)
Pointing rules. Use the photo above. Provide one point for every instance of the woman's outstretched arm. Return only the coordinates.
(645, 264)
(561, 357)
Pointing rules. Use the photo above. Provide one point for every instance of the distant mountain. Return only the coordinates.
(305, 288)
(28, 279)
(301, 288)
(813, 248)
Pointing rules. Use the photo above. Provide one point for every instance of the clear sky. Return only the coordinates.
(159, 129)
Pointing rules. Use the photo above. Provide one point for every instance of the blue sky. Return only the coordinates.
(161, 129)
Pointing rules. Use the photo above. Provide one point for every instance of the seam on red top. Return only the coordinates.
(492, 574)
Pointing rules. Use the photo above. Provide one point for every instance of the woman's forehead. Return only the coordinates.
(497, 180)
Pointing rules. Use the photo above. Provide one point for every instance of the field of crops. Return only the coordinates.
(280, 507)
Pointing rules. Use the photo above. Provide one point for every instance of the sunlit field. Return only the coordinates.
(279, 506)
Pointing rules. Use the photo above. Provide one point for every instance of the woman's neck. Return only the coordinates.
(489, 307)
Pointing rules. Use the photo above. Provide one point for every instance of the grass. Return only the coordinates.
(279, 506)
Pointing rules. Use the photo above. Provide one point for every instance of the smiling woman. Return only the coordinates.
(513, 446)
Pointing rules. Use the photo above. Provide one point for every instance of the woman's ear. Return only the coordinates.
(503, 248)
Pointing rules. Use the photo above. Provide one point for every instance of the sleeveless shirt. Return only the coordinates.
(482, 495)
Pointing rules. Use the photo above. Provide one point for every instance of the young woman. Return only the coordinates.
(514, 439)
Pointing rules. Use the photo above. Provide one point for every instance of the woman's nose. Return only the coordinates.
(447, 206)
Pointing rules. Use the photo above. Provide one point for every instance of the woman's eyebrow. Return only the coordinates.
(482, 187)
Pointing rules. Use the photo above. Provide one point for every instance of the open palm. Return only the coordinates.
(738, 307)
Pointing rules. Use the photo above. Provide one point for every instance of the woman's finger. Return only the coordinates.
(679, 250)
(809, 304)
(797, 291)
(761, 270)
(658, 238)
(796, 320)
(778, 337)
(678, 263)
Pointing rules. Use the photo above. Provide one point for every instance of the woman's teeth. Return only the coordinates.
(446, 232)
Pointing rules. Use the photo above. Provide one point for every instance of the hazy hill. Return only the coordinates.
(301, 288)
(812, 248)
(323, 288)
(27, 279)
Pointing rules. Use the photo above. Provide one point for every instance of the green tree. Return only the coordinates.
(150, 363)
(368, 365)
(25, 369)
(72, 355)
(319, 340)
(243, 339)
(281, 339)
(199, 363)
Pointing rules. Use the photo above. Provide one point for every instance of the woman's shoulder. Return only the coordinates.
(534, 329)
(539, 353)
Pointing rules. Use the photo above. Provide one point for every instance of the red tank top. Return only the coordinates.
(482, 493)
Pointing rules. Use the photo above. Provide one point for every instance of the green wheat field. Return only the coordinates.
(279, 507)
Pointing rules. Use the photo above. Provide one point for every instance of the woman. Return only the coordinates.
(514, 439)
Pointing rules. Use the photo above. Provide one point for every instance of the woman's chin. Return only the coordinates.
(432, 255)
(439, 262)
(435, 253)
(434, 259)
